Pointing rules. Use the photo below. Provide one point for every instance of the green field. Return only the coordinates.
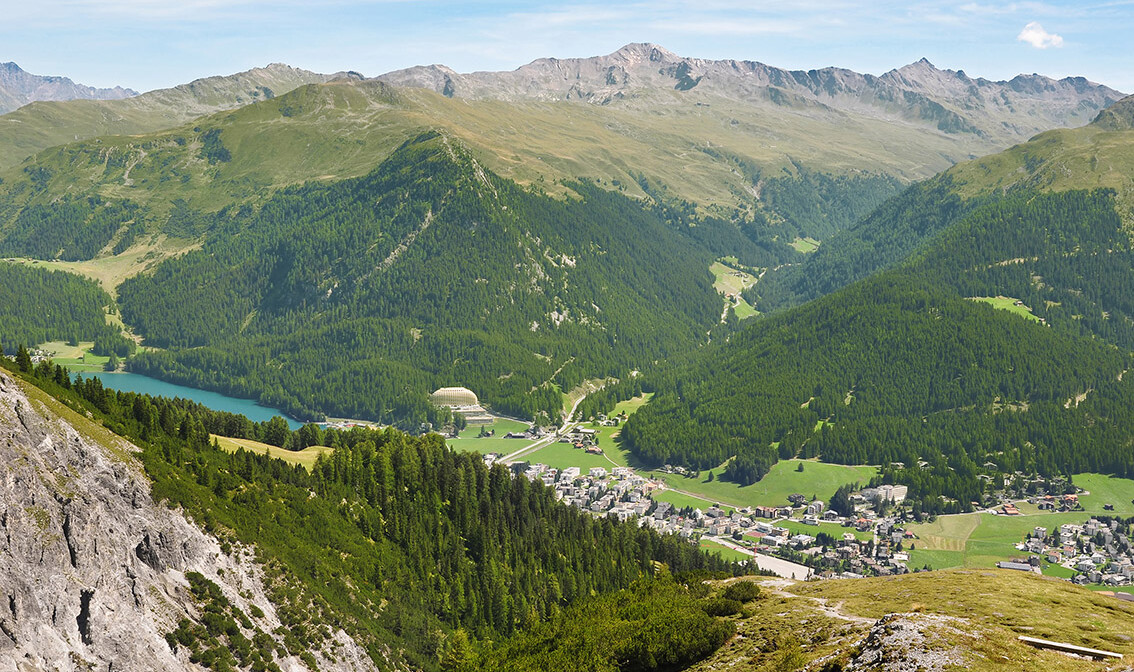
(981, 539)
(1007, 303)
(817, 478)
(805, 245)
(680, 500)
(728, 280)
(468, 440)
(834, 529)
(305, 457)
(562, 455)
(77, 358)
(725, 552)
(1058, 571)
(630, 405)
(934, 559)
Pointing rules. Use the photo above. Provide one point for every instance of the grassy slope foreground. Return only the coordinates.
(960, 619)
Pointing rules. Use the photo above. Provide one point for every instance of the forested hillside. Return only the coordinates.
(38, 305)
(359, 298)
(399, 540)
(907, 366)
(1099, 155)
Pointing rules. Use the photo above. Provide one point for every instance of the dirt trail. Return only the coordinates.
(776, 587)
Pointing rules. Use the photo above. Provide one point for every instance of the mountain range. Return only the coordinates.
(631, 119)
(19, 88)
(48, 120)
(637, 75)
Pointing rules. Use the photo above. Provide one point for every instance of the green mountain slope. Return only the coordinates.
(360, 297)
(909, 365)
(40, 125)
(1100, 155)
(896, 369)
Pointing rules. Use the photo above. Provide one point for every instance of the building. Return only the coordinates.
(462, 400)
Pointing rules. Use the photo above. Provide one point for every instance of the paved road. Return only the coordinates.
(784, 568)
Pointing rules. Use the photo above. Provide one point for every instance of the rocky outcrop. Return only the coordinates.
(914, 642)
(1117, 117)
(949, 101)
(18, 88)
(92, 570)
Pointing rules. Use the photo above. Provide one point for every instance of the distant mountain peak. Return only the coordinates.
(19, 87)
(645, 51)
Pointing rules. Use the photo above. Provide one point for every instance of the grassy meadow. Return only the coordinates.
(817, 478)
(1007, 303)
(724, 551)
(729, 280)
(982, 539)
(805, 245)
(77, 358)
(469, 441)
(305, 457)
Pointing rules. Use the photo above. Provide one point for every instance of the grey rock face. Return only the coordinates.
(914, 642)
(92, 571)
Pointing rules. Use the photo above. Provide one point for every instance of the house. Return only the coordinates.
(1018, 566)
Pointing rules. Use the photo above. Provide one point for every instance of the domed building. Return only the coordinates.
(462, 400)
(454, 397)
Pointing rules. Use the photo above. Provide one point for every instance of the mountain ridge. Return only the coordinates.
(948, 98)
(19, 87)
(40, 125)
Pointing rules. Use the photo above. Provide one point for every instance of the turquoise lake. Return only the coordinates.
(134, 382)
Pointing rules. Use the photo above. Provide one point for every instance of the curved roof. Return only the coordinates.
(454, 396)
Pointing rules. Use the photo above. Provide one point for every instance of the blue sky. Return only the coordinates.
(147, 44)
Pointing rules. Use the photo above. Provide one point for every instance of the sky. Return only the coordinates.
(148, 44)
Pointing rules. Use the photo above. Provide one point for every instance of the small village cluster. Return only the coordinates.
(1099, 551)
(834, 548)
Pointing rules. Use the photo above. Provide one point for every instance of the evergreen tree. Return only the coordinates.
(23, 359)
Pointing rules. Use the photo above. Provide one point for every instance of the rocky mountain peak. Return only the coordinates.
(639, 52)
(19, 87)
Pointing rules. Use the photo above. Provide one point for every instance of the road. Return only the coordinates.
(784, 568)
(567, 426)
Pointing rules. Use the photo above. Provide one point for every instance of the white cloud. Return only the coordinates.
(1035, 35)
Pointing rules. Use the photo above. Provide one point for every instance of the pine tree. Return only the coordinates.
(23, 359)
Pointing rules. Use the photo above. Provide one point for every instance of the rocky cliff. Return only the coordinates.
(93, 572)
